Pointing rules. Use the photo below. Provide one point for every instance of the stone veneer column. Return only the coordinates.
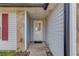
(20, 30)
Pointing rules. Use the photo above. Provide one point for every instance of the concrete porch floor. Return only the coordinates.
(38, 49)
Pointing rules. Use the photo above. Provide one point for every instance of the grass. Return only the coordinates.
(8, 53)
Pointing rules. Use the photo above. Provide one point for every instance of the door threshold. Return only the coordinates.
(37, 41)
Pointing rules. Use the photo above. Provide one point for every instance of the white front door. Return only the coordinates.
(37, 30)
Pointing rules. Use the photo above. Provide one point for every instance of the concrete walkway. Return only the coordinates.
(37, 49)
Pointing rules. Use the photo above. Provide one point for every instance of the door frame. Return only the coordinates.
(42, 30)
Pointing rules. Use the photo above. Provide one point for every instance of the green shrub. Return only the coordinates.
(7, 53)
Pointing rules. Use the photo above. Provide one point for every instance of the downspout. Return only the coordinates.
(66, 29)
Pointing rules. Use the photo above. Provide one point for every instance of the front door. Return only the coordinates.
(37, 30)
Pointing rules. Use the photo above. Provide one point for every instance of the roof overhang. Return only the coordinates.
(43, 5)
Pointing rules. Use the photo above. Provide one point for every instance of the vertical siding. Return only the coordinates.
(55, 30)
(11, 43)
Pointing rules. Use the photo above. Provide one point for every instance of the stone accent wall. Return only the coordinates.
(20, 29)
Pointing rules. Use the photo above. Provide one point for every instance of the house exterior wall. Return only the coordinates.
(16, 23)
(55, 30)
(11, 43)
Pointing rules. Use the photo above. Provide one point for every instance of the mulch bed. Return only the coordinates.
(23, 53)
(49, 53)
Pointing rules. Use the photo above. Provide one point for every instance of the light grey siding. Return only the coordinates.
(28, 30)
(11, 43)
(55, 30)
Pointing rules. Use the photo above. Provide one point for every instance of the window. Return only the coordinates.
(37, 26)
